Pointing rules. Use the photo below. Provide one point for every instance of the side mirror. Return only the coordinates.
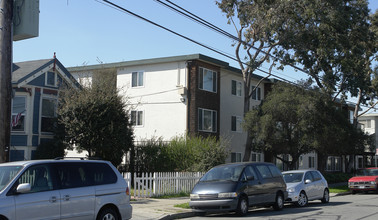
(23, 188)
(307, 181)
(250, 178)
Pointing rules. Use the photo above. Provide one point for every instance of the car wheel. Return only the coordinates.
(242, 208)
(325, 196)
(108, 214)
(302, 200)
(354, 192)
(279, 204)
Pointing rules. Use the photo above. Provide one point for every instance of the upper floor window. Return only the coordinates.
(18, 113)
(48, 116)
(207, 120)
(236, 123)
(256, 94)
(207, 80)
(137, 79)
(51, 79)
(235, 157)
(236, 88)
(137, 118)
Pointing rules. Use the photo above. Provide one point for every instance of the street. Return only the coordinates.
(359, 206)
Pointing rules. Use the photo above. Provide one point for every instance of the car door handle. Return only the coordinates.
(66, 197)
(53, 199)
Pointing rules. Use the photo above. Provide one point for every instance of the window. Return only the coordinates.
(48, 116)
(137, 79)
(50, 79)
(236, 123)
(256, 157)
(207, 120)
(18, 113)
(334, 163)
(208, 80)
(264, 171)
(17, 155)
(137, 118)
(249, 173)
(38, 177)
(311, 162)
(235, 157)
(275, 171)
(236, 88)
(256, 95)
(316, 175)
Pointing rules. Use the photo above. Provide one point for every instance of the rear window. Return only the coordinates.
(72, 175)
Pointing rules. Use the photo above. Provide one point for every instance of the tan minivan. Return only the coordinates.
(63, 189)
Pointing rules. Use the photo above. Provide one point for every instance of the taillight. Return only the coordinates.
(127, 191)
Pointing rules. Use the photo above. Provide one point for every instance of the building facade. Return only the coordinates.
(35, 86)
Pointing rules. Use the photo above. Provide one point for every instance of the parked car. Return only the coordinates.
(63, 189)
(237, 186)
(365, 180)
(305, 185)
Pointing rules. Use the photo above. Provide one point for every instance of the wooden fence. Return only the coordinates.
(159, 183)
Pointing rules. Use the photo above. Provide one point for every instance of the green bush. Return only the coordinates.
(337, 177)
(182, 153)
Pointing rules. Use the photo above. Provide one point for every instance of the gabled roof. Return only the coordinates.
(24, 72)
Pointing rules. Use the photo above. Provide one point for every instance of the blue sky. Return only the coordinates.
(86, 32)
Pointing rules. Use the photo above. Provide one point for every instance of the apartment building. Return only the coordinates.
(190, 94)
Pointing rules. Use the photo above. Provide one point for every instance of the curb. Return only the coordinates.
(178, 216)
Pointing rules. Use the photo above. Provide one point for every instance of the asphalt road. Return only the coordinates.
(356, 207)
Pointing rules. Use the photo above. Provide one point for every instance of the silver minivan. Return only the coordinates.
(63, 189)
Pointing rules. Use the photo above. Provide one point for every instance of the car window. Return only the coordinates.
(73, 175)
(7, 173)
(249, 172)
(275, 171)
(223, 173)
(316, 175)
(293, 177)
(264, 171)
(102, 173)
(39, 178)
(308, 176)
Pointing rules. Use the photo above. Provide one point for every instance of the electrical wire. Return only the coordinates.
(124, 10)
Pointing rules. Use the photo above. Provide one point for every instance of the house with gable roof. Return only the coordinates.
(35, 91)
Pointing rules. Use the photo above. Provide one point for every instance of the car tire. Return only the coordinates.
(242, 208)
(107, 214)
(302, 199)
(325, 198)
(279, 203)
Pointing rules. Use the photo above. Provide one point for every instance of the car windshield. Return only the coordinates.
(293, 177)
(223, 173)
(7, 173)
(367, 172)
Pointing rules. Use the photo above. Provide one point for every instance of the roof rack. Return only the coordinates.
(79, 158)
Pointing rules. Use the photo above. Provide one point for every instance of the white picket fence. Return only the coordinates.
(158, 184)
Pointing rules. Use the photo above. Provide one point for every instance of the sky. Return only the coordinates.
(88, 32)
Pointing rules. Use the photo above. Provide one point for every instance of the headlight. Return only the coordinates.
(227, 195)
(194, 196)
(291, 190)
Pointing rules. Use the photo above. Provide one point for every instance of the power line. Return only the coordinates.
(121, 9)
(180, 10)
(187, 38)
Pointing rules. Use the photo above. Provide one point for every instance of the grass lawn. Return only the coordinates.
(183, 205)
(339, 189)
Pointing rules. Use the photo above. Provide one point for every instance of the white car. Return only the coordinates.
(305, 185)
(63, 189)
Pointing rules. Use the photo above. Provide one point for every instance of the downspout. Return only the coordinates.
(188, 96)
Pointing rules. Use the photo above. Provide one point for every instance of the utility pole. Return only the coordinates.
(6, 15)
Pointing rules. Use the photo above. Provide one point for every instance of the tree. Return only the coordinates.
(294, 121)
(330, 39)
(283, 124)
(96, 118)
(260, 31)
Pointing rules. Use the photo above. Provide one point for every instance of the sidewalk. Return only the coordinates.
(163, 209)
